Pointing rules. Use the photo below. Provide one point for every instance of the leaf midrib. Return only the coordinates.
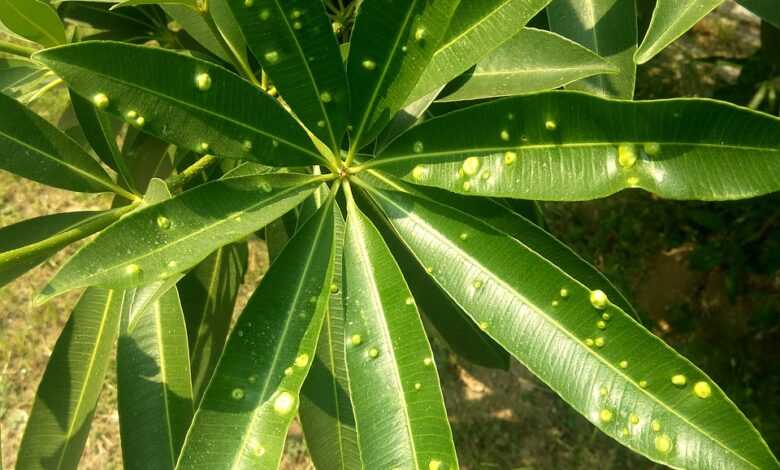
(472, 27)
(35, 26)
(163, 383)
(446, 241)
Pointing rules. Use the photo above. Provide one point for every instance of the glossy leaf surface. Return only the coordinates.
(476, 30)
(164, 239)
(391, 45)
(399, 410)
(572, 146)
(34, 20)
(185, 101)
(534, 60)
(67, 395)
(294, 42)
(33, 148)
(671, 19)
(609, 368)
(254, 395)
(608, 28)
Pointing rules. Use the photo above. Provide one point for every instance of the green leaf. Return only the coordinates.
(254, 394)
(399, 409)
(208, 295)
(33, 148)
(534, 60)
(16, 72)
(295, 44)
(608, 28)
(65, 402)
(196, 5)
(476, 30)
(164, 239)
(326, 410)
(205, 31)
(568, 146)
(98, 15)
(26, 244)
(153, 379)
(34, 20)
(671, 19)
(623, 379)
(188, 102)
(391, 45)
(766, 9)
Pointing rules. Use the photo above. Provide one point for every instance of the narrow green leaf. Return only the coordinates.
(399, 409)
(26, 244)
(410, 115)
(33, 148)
(196, 5)
(767, 9)
(671, 19)
(295, 44)
(164, 239)
(534, 60)
(208, 295)
(476, 30)
(391, 45)
(34, 20)
(202, 29)
(608, 28)
(571, 146)
(326, 410)
(99, 16)
(153, 380)
(254, 394)
(66, 398)
(626, 381)
(187, 101)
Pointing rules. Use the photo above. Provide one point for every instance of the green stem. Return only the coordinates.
(190, 172)
(68, 236)
(16, 49)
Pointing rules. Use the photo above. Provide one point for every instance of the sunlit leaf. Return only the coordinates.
(34, 20)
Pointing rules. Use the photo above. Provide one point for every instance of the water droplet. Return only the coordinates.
(419, 34)
(483, 325)
(302, 360)
(417, 386)
(409, 301)
(260, 451)
(368, 64)
(246, 146)
(297, 25)
(334, 289)
(272, 56)
(632, 181)
(321, 123)
(510, 116)
(555, 303)
(655, 425)
(625, 432)
(652, 148)
(419, 172)
(429, 269)
(101, 101)
(598, 299)
(163, 222)
(203, 147)
(702, 389)
(140, 121)
(249, 3)
(589, 342)
(550, 125)
(237, 394)
(435, 465)
(606, 415)
(679, 380)
(404, 48)
(356, 340)
(265, 14)
(133, 269)
(203, 81)
(464, 236)
(418, 147)
(240, 333)
(295, 14)
(427, 361)
(643, 384)
(131, 115)
(252, 379)
(605, 316)
(510, 158)
(326, 97)
(633, 419)
(284, 403)
(471, 166)
(599, 342)
(466, 186)
(288, 371)
(623, 364)
(626, 155)
(603, 391)
(663, 444)
(172, 264)
(477, 284)
(274, 143)
(373, 353)
(505, 135)
(601, 325)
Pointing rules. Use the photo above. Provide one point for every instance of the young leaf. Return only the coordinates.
(295, 44)
(628, 382)
(391, 45)
(250, 402)
(534, 60)
(326, 410)
(671, 19)
(66, 398)
(164, 239)
(399, 410)
(569, 146)
(153, 379)
(208, 295)
(33, 148)
(189, 102)
(34, 20)
(608, 28)
(476, 30)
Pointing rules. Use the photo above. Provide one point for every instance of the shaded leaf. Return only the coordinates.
(34, 20)
(766, 9)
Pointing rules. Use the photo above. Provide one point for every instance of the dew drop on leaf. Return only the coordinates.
(252, 379)
(271, 56)
(249, 3)
(435, 465)
(172, 264)
(504, 135)
(237, 394)
(131, 115)
(373, 353)
(427, 361)
(265, 14)
(466, 186)
(599, 342)
(603, 391)
(655, 425)
(679, 380)
(284, 403)
(297, 25)
(356, 340)
(598, 299)
(368, 64)
(606, 415)
(632, 181)
(643, 384)
(550, 125)
(417, 386)
(652, 148)
(626, 155)
(302, 360)
(246, 146)
(101, 101)
(663, 444)
(471, 166)
(163, 222)
(295, 14)
(633, 419)
(409, 301)
(419, 172)
(510, 158)
(326, 97)
(623, 364)
(477, 284)
(133, 270)
(601, 325)
(140, 121)
(702, 390)
(203, 81)
(605, 316)
(589, 342)
(483, 325)
(464, 236)
(334, 289)
(418, 147)
(564, 292)
(288, 371)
